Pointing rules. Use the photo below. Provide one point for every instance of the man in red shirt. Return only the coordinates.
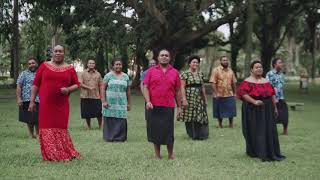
(161, 90)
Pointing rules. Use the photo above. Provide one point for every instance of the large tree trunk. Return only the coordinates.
(267, 54)
(312, 24)
(15, 40)
(290, 67)
(234, 48)
(54, 37)
(141, 60)
(234, 56)
(124, 57)
(297, 56)
(11, 61)
(100, 60)
(249, 31)
(106, 56)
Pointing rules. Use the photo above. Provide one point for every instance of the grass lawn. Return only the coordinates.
(222, 156)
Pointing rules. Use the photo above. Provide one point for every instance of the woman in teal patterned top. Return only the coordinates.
(116, 103)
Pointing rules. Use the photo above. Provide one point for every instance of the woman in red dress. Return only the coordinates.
(54, 81)
(258, 116)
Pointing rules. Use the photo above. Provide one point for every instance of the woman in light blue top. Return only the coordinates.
(116, 103)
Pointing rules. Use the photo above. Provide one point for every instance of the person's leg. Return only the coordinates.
(285, 117)
(157, 151)
(37, 130)
(219, 123)
(30, 130)
(231, 122)
(170, 151)
(88, 120)
(285, 128)
(99, 122)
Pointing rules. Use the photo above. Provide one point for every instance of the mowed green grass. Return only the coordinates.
(222, 156)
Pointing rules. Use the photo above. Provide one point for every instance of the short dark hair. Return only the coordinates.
(192, 57)
(275, 60)
(91, 59)
(223, 57)
(162, 49)
(114, 60)
(59, 45)
(33, 58)
(255, 62)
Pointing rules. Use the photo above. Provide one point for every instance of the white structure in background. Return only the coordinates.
(78, 65)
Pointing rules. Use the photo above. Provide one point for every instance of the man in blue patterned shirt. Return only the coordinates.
(23, 93)
(152, 63)
(276, 78)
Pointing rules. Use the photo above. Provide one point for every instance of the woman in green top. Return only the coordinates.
(194, 101)
(116, 103)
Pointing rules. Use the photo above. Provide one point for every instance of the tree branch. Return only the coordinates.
(150, 6)
(204, 5)
(135, 5)
(290, 22)
(182, 37)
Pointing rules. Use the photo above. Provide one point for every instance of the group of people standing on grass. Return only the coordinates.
(164, 89)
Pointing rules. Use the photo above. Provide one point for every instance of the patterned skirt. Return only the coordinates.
(56, 145)
(197, 109)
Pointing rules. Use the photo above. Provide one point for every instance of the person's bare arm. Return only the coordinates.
(146, 94)
(141, 88)
(69, 90)
(100, 89)
(234, 88)
(73, 88)
(103, 95)
(214, 83)
(18, 94)
(183, 93)
(203, 89)
(251, 100)
(85, 86)
(129, 98)
(214, 89)
(34, 93)
(178, 97)
(275, 101)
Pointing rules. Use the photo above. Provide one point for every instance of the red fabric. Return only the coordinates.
(162, 86)
(56, 145)
(54, 106)
(255, 89)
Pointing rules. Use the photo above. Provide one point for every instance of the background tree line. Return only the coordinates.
(260, 29)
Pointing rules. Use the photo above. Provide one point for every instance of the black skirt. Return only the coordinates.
(160, 125)
(26, 116)
(147, 124)
(90, 108)
(260, 131)
(283, 115)
(114, 129)
(197, 131)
